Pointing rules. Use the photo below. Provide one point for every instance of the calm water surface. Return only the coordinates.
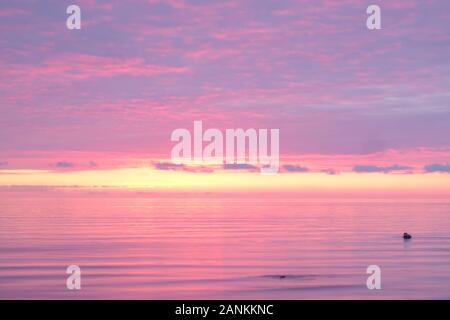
(144, 247)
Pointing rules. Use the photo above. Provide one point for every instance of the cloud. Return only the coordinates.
(3, 163)
(245, 74)
(367, 168)
(168, 166)
(8, 12)
(239, 166)
(64, 164)
(83, 66)
(330, 171)
(294, 168)
(77, 165)
(373, 169)
(397, 167)
(436, 167)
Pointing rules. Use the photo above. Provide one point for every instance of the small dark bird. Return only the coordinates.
(407, 236)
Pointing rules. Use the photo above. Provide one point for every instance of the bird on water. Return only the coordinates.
(407, 236)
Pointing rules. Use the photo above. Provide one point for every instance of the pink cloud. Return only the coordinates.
(80, 67)
(9, 12)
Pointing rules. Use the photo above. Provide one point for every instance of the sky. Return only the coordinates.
(356, 108)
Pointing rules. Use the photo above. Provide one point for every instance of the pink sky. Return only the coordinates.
(107, 96)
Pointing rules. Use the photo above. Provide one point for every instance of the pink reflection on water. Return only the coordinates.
(221, 247)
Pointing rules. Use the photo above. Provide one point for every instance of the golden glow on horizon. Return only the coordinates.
(225, 180)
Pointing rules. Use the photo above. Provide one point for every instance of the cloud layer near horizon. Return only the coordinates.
(408, 161)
